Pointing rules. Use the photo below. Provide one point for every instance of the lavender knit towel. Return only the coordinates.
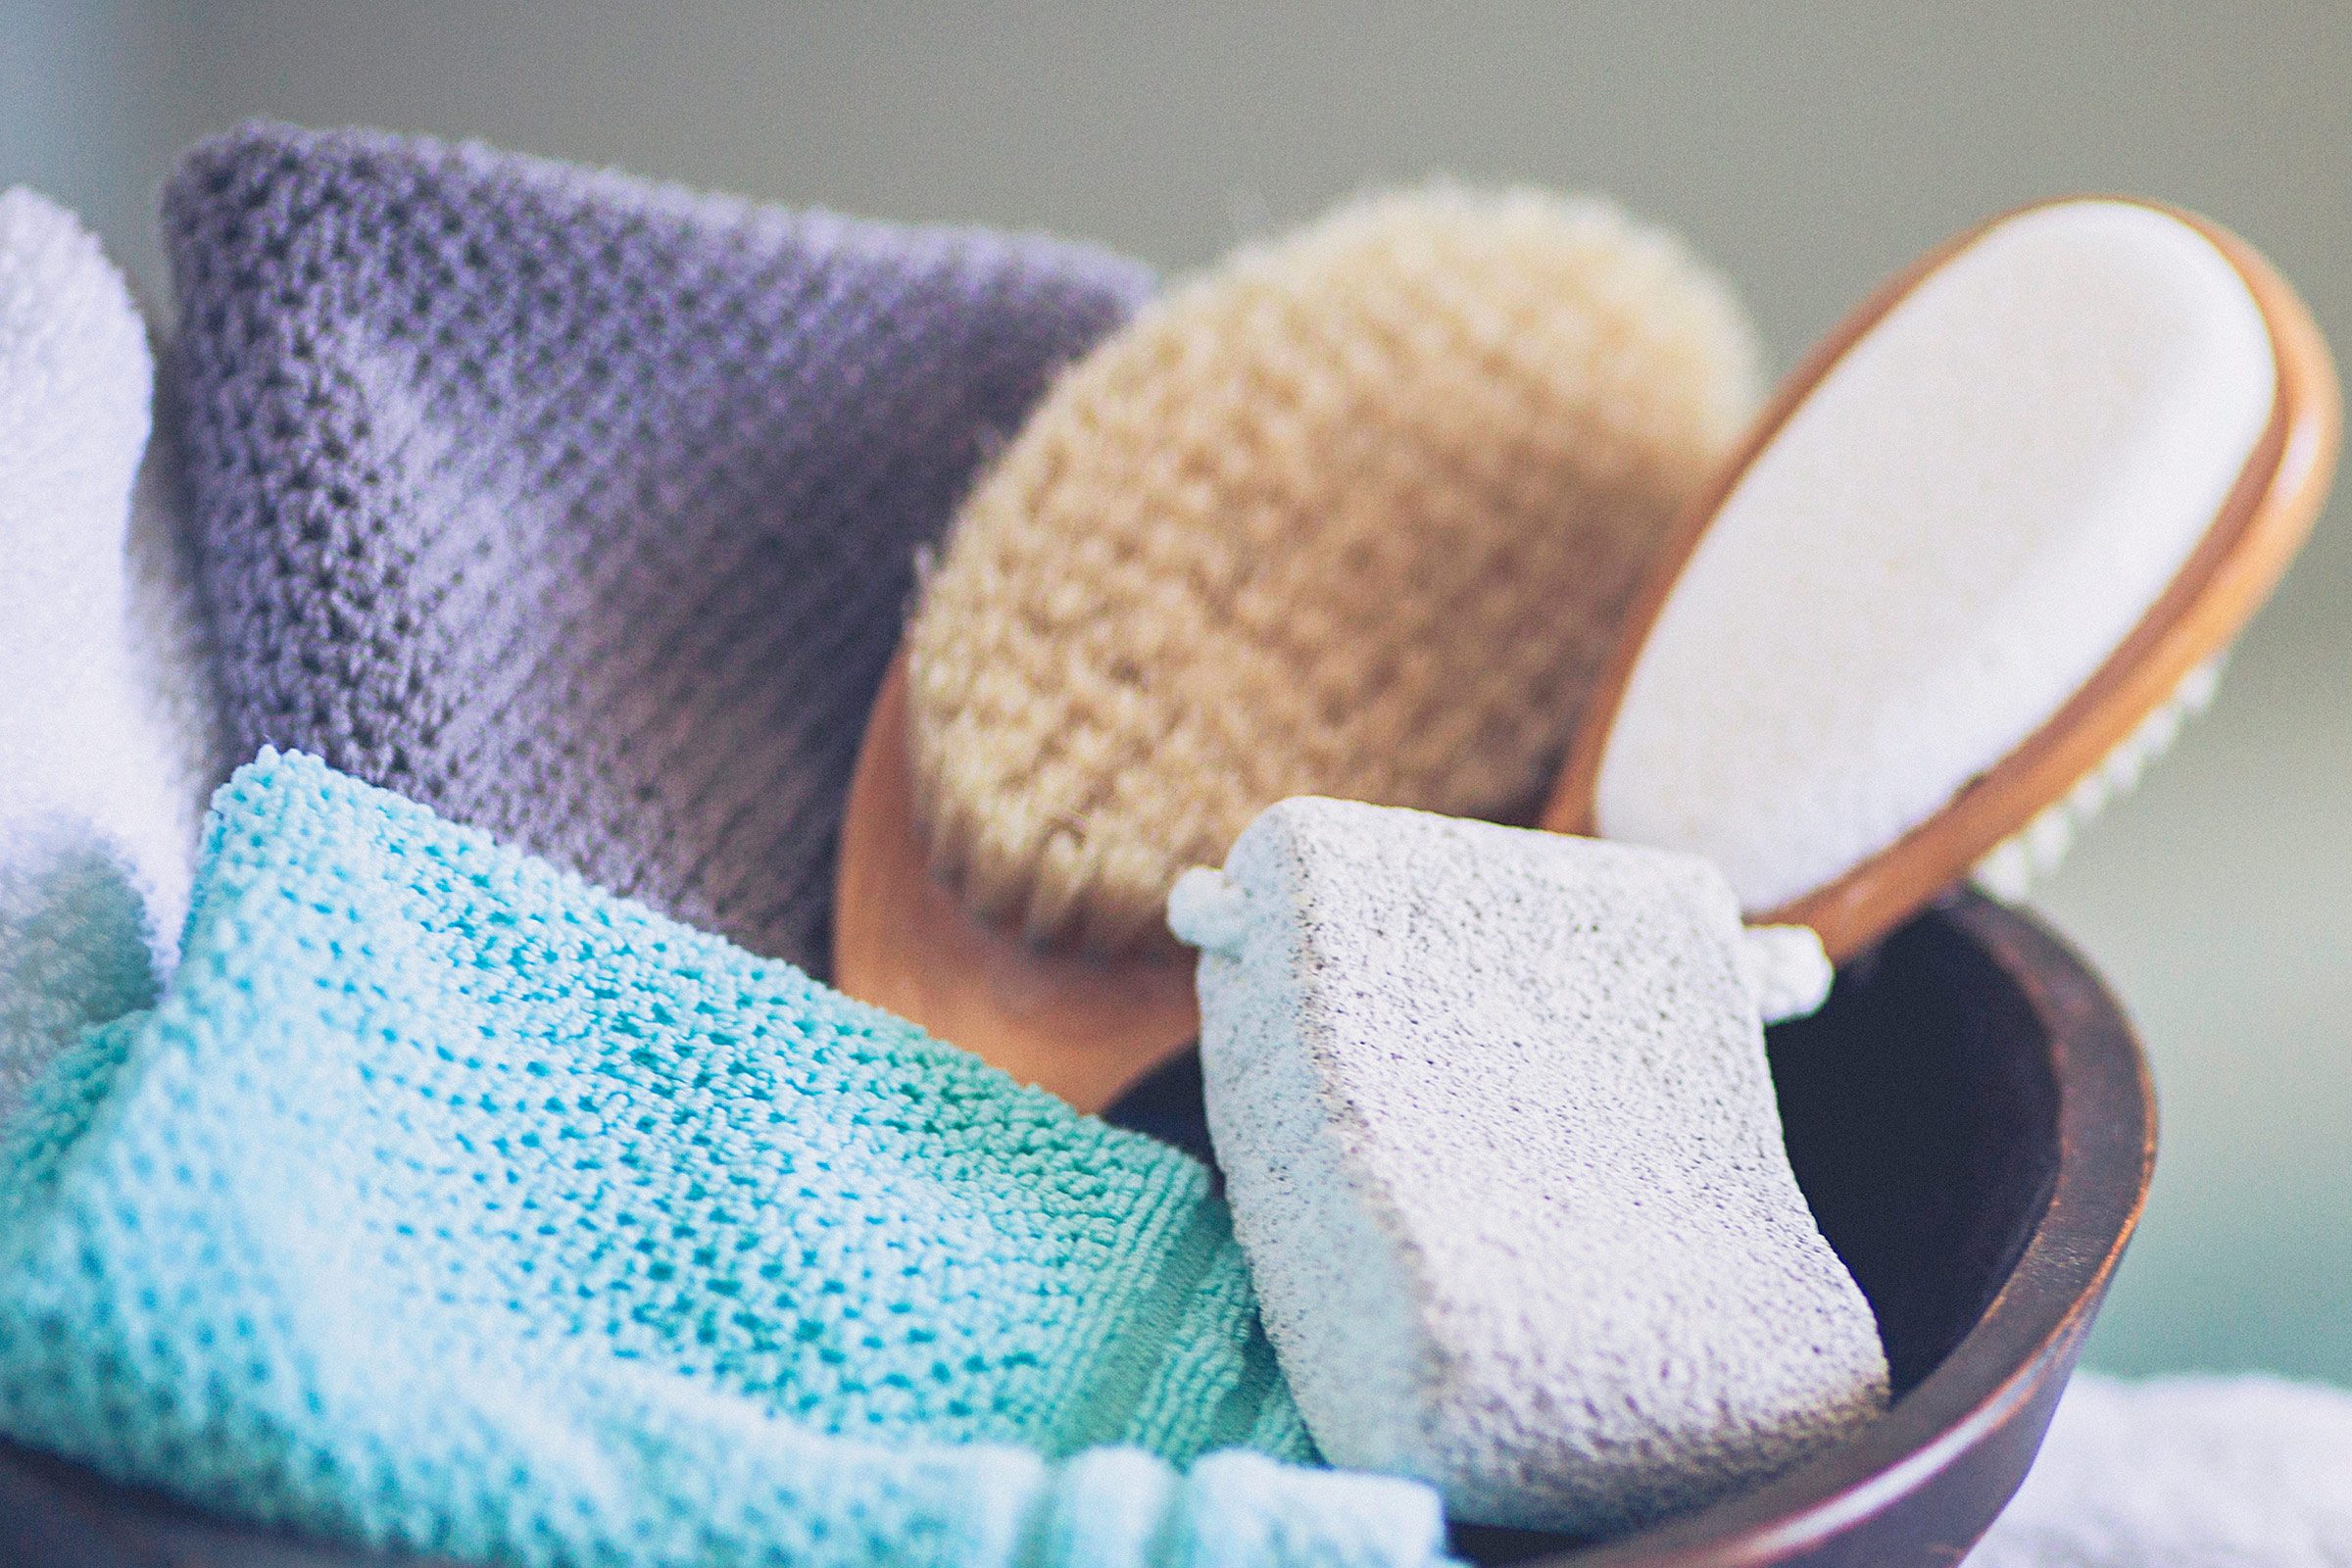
(583, 509)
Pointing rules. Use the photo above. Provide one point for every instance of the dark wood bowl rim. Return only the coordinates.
(2106, 1138)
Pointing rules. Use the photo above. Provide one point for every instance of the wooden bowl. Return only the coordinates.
(1973, 1122)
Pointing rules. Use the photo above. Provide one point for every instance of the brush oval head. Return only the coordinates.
(2006, 513)
(1358, 513)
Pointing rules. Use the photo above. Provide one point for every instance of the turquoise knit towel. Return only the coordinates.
(445, 1202)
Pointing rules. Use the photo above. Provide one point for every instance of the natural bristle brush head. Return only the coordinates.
(1972, 563)
(1358, 513)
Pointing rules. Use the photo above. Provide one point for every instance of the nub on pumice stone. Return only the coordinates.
(1502, 1146)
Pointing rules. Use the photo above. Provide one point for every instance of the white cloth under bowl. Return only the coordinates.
(2185, 1472)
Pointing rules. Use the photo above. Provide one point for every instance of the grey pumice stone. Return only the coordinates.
(1503, 1152)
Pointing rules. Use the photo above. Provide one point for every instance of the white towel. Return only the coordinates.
(2186, 1472)
(108, 740)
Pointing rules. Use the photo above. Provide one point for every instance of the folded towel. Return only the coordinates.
(582, 509)
(2190, 1472)
(445, 1202)
(106, 724)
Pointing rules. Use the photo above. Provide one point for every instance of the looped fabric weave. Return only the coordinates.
(446, 1204)
(584, 509)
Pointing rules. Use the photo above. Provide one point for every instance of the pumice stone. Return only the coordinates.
(1503, 1152)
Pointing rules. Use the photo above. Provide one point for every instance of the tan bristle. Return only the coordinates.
(1356, 515)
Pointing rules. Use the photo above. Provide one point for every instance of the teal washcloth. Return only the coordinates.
(445, 1202)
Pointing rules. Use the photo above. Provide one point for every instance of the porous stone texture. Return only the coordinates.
(1358, 514)
(1502, 1150)
(1946, 540)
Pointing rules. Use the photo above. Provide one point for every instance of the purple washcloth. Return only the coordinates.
(584, 509)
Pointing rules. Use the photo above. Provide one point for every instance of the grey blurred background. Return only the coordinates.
(1807, 148)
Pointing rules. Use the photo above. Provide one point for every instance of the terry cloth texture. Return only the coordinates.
(445, 1202)
(106, 745)
(1358, 513)
(584, 509)
(2195, 1472)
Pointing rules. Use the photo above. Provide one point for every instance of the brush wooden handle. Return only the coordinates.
(1080, 1026)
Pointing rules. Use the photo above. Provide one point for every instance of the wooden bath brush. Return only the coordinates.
(1359, 514)
(1972, 561)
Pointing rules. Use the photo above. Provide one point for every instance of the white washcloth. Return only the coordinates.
(108, 744)
(2187, 1472)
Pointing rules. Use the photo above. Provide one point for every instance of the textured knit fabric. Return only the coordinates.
(2190, 1471)
(1357, 514)
(106, 725)
(448, 1203)
(582, 509)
